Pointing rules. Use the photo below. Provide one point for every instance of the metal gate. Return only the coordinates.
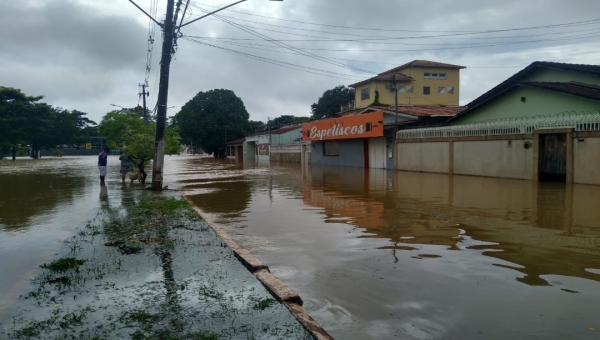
(552, 160)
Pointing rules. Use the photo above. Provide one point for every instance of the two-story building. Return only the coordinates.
(419, 82)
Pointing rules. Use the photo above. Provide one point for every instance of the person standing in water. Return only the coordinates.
(126, 165)
(102, 161)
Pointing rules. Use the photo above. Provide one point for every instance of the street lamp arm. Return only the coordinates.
(211, 13)
(148, 15)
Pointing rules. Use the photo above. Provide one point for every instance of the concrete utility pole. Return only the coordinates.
(395, 108)
(163, 92)
(144, 94)
(163, 89)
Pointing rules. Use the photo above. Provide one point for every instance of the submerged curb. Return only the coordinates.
(285, 294)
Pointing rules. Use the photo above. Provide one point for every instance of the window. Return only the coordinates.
(450, 90)
(391, 88)
(365, 94)
(441, 89)
(434, 75)
(410, 89)
(426, 89)
(331, 148)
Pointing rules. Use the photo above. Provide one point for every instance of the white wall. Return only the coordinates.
(586, 160)
(494, 159)
(423, 157)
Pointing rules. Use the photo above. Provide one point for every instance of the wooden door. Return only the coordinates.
(552, 160)
(377, 153)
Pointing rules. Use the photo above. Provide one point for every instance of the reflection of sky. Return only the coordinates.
(423, 255)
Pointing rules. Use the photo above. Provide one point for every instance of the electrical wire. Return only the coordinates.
(305, 53)
(412, 31)
(283, 64)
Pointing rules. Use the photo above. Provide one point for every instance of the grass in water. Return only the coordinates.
(63, 265)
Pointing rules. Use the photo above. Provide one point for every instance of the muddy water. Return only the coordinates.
(42, 203)
(383, 254)
(375, 255)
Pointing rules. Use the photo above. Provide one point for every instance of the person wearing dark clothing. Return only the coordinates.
(102, 161)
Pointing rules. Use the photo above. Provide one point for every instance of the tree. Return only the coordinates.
(212, 118)
(24, 120)
(330, 102)
(127, 131)
(287, 120)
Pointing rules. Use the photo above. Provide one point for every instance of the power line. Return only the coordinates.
(283, 64)
(388, 37)
(496, 44)
(279, 43)
(412, 31)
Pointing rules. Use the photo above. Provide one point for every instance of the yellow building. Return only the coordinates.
(419, 82)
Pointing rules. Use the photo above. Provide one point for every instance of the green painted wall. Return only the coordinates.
(538, 102)
(564, 76)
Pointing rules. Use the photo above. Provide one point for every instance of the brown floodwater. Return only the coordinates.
(374, 254)
(382, 254)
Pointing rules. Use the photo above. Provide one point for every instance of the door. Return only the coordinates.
(240, 153)
(552, 157)
(377, 153)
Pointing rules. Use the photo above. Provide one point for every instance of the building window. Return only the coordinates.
(331, 148)
(410, 89)
(434, 75)
(441, 89)
(398, 88)
(426, 90)
(365, 94)
(450, 90)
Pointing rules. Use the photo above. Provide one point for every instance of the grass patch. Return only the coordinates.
(264, 304)
(63, 265)
(166, 206)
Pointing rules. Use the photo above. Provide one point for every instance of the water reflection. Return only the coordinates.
(23, 196)
(417, 255)
(534, 226)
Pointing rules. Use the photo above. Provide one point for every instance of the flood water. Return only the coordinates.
(374, 254)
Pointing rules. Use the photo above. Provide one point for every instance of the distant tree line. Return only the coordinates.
(214, 117)
(27, 122)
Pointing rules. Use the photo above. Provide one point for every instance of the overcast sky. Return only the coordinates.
(87, 54)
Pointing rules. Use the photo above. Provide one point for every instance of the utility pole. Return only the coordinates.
(168, 27)
(395, 108)
(144, 94)
(163, 91)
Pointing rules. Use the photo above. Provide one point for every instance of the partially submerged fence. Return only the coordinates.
(521, 125)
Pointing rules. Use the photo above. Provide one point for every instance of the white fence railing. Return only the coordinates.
(508, 126)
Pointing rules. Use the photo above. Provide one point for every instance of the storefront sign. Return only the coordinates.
(359, 126)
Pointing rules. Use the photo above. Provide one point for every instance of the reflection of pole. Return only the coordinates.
(163, 92)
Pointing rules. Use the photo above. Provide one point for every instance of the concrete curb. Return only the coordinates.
(280, 290)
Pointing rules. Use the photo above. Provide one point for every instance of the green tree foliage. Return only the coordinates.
(212, 118)
(287, 120)
(128, 132)
(330, 102)
(24, 120)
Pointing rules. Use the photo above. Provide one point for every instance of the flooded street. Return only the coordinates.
(374, 254)
(383, 254)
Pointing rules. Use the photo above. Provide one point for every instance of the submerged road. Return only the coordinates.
(374, 254)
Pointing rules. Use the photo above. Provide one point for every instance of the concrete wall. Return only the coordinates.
(287, 137)
(497, 158)
(586, 160)
(417, 97)
(423, 157)
(286, 153)
(351, 153)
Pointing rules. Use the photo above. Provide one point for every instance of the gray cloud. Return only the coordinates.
(86, 54)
